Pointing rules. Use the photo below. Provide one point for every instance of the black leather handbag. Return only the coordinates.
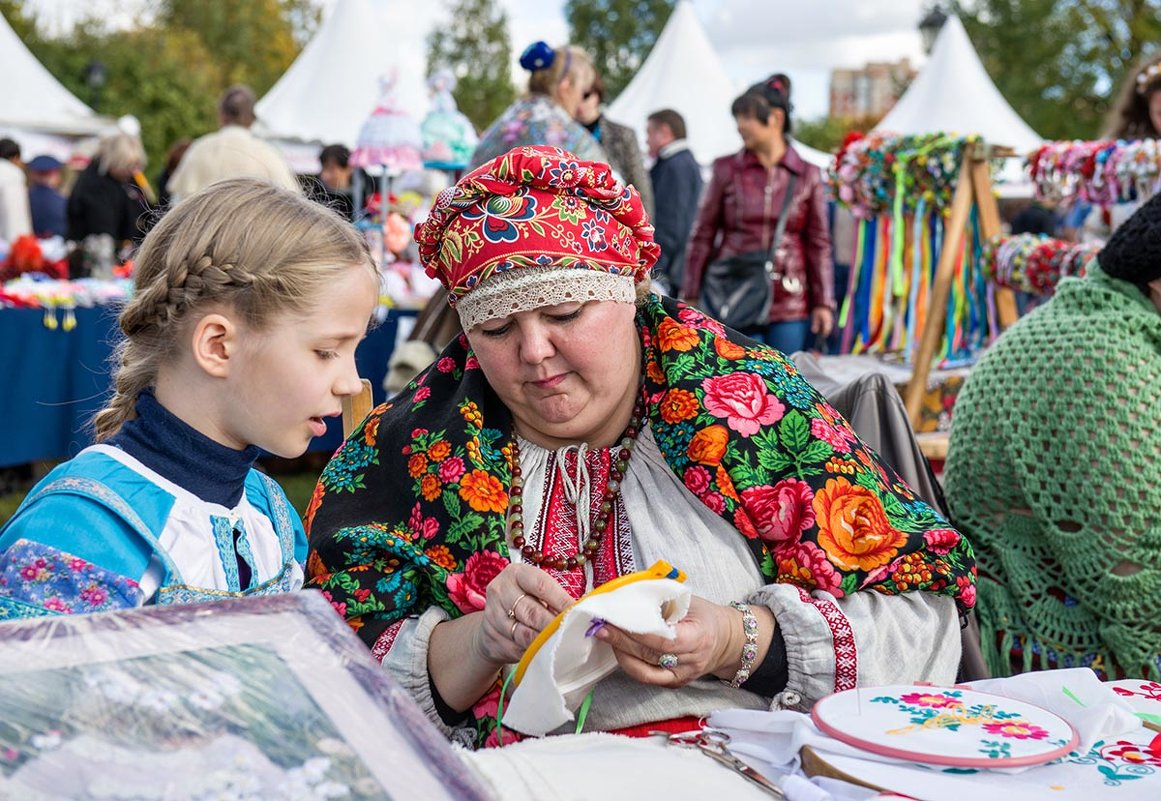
(739, 290)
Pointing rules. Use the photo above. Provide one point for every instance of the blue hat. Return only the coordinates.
(44, 164)
(537, 56)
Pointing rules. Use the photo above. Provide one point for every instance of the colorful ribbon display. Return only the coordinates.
(901, 188)
(1103, 172)
(1034, 263)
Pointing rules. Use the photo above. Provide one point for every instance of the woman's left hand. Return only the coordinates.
(821, 321)
(709, 640)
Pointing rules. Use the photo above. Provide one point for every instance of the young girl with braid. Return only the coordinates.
(241, 336)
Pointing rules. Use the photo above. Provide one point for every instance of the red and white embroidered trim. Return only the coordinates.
(846, 654)
(386, 640)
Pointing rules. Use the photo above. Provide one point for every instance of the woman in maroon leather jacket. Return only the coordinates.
(739, 212)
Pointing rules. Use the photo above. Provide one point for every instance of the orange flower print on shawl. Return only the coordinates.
(853, 528)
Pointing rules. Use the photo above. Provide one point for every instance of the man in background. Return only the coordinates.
(231, 152)
(14, 217)
(677, 185)
(334, 185)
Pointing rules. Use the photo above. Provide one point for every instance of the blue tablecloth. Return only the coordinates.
(52, 382)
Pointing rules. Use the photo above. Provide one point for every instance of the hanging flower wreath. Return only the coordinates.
(884, 173)
(1100, 172)
(1034, 263)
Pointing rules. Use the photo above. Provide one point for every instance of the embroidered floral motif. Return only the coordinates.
(1016, 729)
(38, 575)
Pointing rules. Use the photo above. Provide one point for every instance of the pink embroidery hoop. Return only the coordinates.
(991, 732)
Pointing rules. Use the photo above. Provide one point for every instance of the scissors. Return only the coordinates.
(714, 744)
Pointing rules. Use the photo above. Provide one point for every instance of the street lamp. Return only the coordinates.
(930, 26)
(95, 76)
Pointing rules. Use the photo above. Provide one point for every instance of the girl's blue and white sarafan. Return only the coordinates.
(104, 532)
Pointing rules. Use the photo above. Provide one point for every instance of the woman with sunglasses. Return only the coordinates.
(619, 141)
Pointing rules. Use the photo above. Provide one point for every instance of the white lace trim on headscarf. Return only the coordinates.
(528, 288)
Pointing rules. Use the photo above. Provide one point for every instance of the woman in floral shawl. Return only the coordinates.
(583, 428)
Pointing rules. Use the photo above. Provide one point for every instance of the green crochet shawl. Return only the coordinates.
(1054, 473)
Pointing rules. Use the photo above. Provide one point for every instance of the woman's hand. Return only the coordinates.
(521, 600)
(821, 321)
(709, 641)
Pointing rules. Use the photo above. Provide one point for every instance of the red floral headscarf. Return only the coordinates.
(535, 207)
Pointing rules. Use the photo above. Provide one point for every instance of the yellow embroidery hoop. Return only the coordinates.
(658, 570)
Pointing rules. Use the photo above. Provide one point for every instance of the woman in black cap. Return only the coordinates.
(1054, 470)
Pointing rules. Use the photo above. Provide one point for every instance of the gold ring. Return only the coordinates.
(512, 609)
(512, 633)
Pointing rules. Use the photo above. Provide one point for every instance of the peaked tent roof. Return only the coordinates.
(33, 100)
(953, 93)
(683, 73)
(333, 85)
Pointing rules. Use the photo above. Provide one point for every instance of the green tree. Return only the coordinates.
(169, 70)
(253, 41)
(164, 77)
(1060, 64)
(618, 34)
(827, 133)
(474, 45)
(19, 19)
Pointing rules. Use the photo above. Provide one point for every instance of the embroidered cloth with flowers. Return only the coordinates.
(583, 428)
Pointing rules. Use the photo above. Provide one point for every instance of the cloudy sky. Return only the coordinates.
(753, 37)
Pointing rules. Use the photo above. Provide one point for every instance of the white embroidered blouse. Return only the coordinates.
(831, 644)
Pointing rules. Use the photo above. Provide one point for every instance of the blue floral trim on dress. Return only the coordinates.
(36, 579)
(245, 553)
(185, 594)
(280, 514)
(98, 491)
(224, 541)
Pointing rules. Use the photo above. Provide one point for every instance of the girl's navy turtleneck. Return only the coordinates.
(168, 446)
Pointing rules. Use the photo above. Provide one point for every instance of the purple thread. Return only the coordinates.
(594, 627)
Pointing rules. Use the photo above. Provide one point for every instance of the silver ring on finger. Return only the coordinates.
(512, 608)
(668, 661)
(512, 633)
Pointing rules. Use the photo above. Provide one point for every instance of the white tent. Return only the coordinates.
(333, 85)
(953, 93)
(683, 73)
(35, 109)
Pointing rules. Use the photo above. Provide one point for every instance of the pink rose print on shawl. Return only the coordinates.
(781, 512)
(697, 480)
(340, 606)
(838, 438)
(691, 316)
(486, 708)
(423, 528)
(806, 565)
(743, 400)
(468, 590)
(941, 540)
(452, 470)
(967, 588)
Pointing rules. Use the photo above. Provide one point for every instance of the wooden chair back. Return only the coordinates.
(356, 408)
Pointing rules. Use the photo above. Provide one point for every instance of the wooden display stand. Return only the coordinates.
(974, 187)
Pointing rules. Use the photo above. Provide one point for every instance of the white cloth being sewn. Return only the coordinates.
(571, 661)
